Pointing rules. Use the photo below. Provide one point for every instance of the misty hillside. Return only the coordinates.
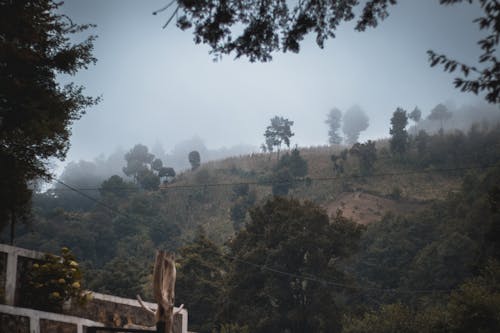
(281, 166)
(405, 210)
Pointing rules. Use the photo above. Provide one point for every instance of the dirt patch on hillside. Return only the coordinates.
(367, 208)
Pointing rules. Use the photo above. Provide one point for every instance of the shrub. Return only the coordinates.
(55, 280)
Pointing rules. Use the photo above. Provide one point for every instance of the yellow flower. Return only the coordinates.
(61, 281)
(55, 294)
(76, 285)
(73, 263)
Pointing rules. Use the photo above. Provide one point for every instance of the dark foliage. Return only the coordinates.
(399, 135)
(279, 132)
(269, 26)
(36, 112)
(200, 281)
(291, 236)
(366, 154)
(334, 120)
(194, 159)
(485, 75)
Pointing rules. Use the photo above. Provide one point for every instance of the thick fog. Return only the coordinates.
(162, 90)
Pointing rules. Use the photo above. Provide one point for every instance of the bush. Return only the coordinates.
(55, 280)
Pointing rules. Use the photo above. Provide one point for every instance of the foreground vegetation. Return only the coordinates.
(270, 245)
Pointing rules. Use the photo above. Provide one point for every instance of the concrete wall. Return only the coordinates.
(107, 310)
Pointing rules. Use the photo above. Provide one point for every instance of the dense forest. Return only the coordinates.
(394, 235)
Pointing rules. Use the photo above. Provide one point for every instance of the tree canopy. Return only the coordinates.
(36, 111)
(288, 235)
(257, 29)
(279, 132)
(399, 135)
(355, 121)
(334, 121)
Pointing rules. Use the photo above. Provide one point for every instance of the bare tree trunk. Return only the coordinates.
(164, 276)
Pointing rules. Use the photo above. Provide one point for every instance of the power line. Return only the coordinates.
(99, 202)
(311, 277)
(296, 180)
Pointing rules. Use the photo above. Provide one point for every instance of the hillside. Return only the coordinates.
(396, 221)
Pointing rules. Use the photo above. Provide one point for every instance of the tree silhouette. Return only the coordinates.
(440, 113)
(194, 159)
(367, 155)
(256, 29)
(416, 116)
(277, 133)
(334, 120)
(399, 139)
(36, 110)
(138, 160)
(355, 121)
(288, 235)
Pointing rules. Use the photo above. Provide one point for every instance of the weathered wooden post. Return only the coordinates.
(164, 275)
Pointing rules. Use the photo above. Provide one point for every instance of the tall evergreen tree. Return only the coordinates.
(200, 281)
(399, 139)
(334, 120)
(36, 110)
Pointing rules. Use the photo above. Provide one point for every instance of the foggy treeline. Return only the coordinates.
(461, 118)
(91, 174)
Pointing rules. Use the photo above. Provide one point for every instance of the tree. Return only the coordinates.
(355, 121)
(157, 164)
(194, 159)
(298, 238)
(200, 281)
(115, 185)
(277, 133)
(289, 167)
(36, 111)
(138, 161)
(257, 29)
(422, 141)
(399, 139)
(367, 155)
(242, 200)
(440, 113)
(282, 181)
(148, 180)
(294, 162)
(334, 120)
(166, 172)
(270, 26)
(487, 71)
(415, 116)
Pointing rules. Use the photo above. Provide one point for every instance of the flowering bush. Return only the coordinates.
(55, 280)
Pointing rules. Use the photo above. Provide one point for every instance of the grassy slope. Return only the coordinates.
(365, 199)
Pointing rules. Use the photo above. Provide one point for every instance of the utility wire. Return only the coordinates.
(99, 202)
(311, 277)
(296, 180)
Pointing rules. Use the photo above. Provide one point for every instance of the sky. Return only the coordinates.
(158, 86)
